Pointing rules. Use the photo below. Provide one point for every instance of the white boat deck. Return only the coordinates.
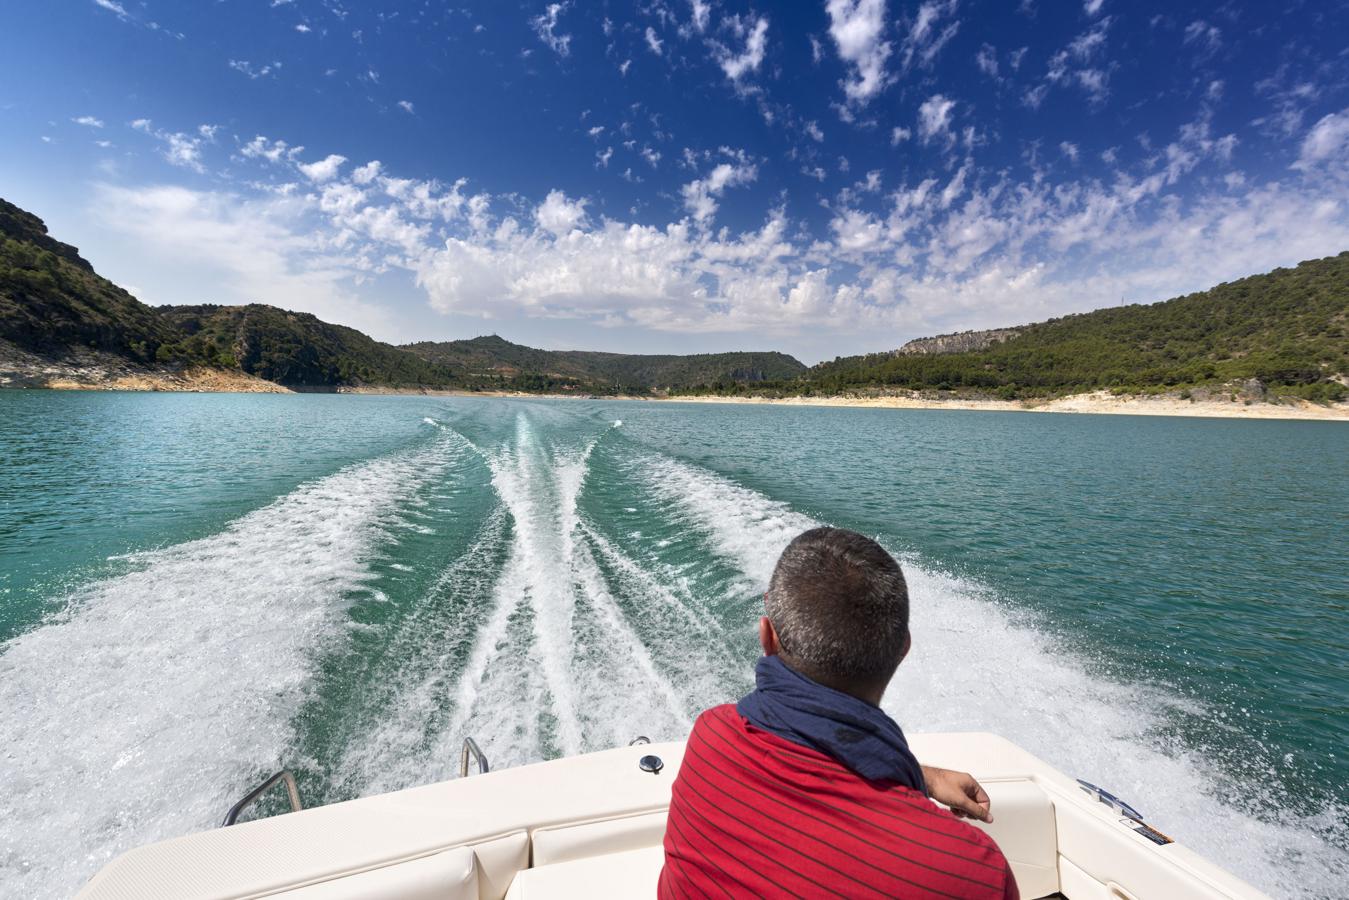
(592, 825)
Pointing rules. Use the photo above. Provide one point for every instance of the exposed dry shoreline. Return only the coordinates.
(90, 370)
(97, 372)
(1099, 402)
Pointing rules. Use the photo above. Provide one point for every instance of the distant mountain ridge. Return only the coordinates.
(1281, 334)
(493, 356)
(55, 308)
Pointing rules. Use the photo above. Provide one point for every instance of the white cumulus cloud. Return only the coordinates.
(1326, 142)
(559, 214)
(701, 193)
(325, 169)
(858, 30)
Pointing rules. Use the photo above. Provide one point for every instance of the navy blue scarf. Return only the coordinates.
(852, 731)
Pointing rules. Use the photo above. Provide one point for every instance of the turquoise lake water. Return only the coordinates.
(196, 590)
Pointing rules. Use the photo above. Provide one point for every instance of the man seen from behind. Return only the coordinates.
(805, 787)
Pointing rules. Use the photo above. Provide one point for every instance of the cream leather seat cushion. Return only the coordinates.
(631, 874)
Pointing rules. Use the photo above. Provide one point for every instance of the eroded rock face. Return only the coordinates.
(85, 369)
(963, 342)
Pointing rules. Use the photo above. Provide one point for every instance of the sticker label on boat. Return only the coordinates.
(1146, 831)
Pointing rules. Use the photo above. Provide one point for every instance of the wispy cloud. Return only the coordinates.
(700, 14)
(934, 118)
(929, 33)
(738, 65)
(113, 7)
(1081, 63)
(1326, 144)
(969, 246)
(252, 71)
(180, 148)
(545, 26)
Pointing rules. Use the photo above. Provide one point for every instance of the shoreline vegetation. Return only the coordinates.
(1267, 346)
(204, 380)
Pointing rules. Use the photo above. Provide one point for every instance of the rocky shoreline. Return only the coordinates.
(90, 370)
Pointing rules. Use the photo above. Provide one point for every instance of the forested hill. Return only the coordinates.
(54, 308)
(495, 357)
(297, 349)
(51, 299)
(1285, 333)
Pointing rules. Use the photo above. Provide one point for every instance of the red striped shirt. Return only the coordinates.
(756, 815)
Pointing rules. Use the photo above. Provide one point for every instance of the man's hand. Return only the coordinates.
(959, 791)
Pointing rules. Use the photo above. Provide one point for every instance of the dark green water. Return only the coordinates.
(195, 590)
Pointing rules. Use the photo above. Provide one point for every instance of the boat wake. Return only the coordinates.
(139, 712)
(548, 588)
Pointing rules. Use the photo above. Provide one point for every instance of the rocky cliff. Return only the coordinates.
(963, 342)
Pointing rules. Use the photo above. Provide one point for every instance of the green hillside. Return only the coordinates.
(51, 299)
(1282, 334)
(54, 305)
(493, 356)
(1288, 330)
(295, 349)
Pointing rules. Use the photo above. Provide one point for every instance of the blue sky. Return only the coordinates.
(823, 177)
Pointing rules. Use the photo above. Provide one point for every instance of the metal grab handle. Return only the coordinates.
(471, 751)
(1110, 800)
(640, 739)
(292, 790)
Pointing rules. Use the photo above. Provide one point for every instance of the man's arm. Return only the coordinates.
(959, 791)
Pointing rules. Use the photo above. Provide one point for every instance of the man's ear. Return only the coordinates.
(908, 645)
(768, 637)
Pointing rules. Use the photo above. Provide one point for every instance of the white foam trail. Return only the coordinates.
(150, 706)
(624, 644)
(559, 667)
(542, 512)
(686, 607)
(976, 666)
(436, 650)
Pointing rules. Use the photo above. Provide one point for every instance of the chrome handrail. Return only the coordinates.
(471, 751)
(640, 739)
(292, 790)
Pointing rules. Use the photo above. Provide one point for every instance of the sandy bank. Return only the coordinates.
(214, 381)
(1100, 403)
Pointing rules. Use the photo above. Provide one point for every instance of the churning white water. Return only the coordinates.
(138, 712)
(608, 592)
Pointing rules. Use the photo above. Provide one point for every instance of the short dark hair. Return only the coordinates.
(840, 607)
